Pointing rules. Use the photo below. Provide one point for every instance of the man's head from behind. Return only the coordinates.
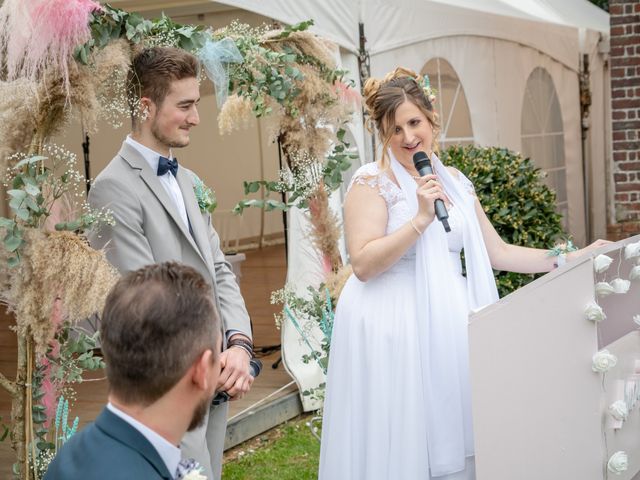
(160, 333)
(164, 93)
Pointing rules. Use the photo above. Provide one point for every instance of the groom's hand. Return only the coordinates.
(235, 378)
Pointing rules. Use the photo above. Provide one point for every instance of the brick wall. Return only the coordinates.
(625, 113)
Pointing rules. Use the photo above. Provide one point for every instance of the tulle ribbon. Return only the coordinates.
(216, 57)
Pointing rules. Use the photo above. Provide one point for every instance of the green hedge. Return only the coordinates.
(518, 204)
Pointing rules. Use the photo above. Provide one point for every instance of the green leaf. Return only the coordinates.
(251, 187)
(12, 242)
(7, 223)
(30, 160)
(17, 194)
(22, 214)
(13, 261)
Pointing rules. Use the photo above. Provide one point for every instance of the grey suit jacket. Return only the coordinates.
(149, 230)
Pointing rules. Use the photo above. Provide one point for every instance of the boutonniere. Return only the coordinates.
(194, 475)
(204, 195)
(189, 469)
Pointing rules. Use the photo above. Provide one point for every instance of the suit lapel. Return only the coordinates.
(195, 216)
(121, 431)
(150, 178)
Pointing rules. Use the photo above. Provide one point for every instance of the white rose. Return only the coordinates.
(632, 250)
(619, 410)
(594, 312)
(620, 286)
(194, 475)
(618, 463)
(601, 263)
(603, 289)
(603, 361)
(635, 273)
(636, 318)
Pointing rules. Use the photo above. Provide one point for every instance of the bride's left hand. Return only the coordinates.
(588, 249)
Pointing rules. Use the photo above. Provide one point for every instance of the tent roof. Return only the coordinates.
(546, 25)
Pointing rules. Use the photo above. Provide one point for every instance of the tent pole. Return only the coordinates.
(585, 103)
(364, 69)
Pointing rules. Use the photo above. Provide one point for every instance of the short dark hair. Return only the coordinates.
(156, 322)
(153, 70)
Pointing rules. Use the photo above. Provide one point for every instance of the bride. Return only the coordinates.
(398, 402)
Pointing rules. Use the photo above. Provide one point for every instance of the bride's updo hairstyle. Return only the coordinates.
(383, 97)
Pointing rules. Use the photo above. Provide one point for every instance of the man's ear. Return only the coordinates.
(146, 106)
(201, 376)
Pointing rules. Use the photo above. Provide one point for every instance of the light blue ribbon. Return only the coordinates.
(216, 57)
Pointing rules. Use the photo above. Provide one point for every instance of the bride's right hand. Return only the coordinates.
(429, 189)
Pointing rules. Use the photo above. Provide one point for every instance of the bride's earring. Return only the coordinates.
(145, 114)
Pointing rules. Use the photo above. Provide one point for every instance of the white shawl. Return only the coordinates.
(445, 381)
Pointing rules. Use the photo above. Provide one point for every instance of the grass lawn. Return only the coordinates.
(287, 452)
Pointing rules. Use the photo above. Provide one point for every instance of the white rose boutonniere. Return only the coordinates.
(603, 289)
(620, 286)
(618, 463)
(594, 312)
(194, 475)
(603, 361)
(619, 410)
(601, 263)
(205, 196)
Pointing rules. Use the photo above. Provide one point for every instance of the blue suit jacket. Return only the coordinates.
(109, 449)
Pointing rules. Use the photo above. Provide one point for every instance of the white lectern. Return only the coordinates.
(540, 411)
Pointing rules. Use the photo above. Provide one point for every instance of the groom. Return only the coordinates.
(158, 219)
(161, 341)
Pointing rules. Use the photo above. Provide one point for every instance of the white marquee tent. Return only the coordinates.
(507, 72)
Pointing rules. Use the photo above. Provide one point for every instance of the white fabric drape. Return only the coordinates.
(443, 353)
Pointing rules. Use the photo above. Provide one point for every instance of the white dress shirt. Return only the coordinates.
(169, 453)
(167, 180)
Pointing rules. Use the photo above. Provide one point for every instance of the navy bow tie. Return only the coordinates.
(165, 165)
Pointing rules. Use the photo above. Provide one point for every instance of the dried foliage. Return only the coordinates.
(18, 106)
(325, 229)
(235, 114)
(102, 93)
(335, 281)
(57, 265)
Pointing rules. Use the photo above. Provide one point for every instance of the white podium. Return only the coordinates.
(540, 411)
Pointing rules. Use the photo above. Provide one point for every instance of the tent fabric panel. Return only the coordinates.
(430, 20)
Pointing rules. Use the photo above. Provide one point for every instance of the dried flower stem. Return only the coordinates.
(18, 409)
(8, 385)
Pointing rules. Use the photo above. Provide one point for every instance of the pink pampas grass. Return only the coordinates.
(39, 35)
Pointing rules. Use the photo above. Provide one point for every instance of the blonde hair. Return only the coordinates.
(383, 97)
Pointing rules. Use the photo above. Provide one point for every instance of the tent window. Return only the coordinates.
(543, 135)
(451, 104)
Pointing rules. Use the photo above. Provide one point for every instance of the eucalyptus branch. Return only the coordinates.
(8, 385)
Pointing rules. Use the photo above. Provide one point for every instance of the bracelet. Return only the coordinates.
(243, 344)
(414, 227)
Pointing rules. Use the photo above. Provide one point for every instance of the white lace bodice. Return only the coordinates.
(398, 208)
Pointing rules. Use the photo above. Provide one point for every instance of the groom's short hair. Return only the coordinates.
(156, 322)
(153, 70)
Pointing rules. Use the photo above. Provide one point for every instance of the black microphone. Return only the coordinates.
(423, 165)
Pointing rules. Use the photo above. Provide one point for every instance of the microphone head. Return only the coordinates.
(421, 160)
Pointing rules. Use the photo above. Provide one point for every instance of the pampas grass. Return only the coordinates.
(18, 106)
(57, 265)
(41, 35)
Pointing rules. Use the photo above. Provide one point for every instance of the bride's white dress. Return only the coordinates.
(374, 425)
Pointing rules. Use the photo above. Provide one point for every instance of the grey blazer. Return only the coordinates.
(149, 230)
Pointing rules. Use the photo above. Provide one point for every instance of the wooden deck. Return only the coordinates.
(262, 272)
